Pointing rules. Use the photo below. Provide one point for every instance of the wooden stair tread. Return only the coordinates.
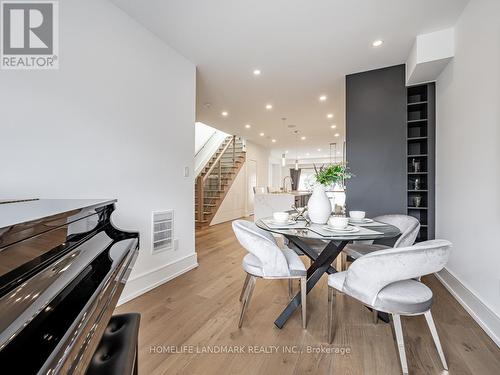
(231, 161)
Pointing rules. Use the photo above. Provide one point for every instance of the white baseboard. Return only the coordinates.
(143, 283)
(482, 314)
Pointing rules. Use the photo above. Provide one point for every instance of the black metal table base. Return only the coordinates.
(321, 264)
(383, 316)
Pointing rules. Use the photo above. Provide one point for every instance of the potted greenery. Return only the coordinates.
(319, 207)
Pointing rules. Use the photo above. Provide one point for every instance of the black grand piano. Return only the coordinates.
(63, 266)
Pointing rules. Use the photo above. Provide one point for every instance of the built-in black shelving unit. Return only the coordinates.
(420, 146)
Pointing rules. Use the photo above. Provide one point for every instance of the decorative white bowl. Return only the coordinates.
(338, 222)
(357, 215)
(281, 217)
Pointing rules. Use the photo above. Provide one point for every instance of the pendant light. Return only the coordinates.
(334, 145)
(283, 156)
(344, 153)
(296, 150)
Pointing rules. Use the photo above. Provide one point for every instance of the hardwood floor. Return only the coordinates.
(199, 311)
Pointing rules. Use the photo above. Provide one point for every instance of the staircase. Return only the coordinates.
(214, 181)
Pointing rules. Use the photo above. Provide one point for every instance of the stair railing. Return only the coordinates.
(202, 178)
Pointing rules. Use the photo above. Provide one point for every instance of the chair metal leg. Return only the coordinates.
(375, 316)
(396, 318)
(290, 288)
(246, 299)
(331, 297)
(303, 299)
(435, 337)
(245, 284)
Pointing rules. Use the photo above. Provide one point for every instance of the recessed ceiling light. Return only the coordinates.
(224, 113)
(261, 134)
(256, 72)
(247, 126)
(330, 115)
(273, 140)
(319, 150)
(307, 154)
(286, 151)
(333, 126)
(322, 98)
(303, 138)
(337, 134)
(377, 43)
(269, 106)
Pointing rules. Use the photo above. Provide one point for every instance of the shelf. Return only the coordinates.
(420, 109)
(417, 139)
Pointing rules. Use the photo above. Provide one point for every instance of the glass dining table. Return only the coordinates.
(310, 238)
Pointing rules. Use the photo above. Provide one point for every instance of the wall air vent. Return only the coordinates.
(163, 231)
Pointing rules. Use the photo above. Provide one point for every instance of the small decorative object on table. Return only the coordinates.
(319, 206)
(300, 214)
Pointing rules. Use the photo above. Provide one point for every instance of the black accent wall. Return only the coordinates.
(376, 141)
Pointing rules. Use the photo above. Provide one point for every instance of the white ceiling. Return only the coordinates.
(304, 48)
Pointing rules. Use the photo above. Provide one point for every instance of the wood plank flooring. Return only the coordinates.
(199, 311)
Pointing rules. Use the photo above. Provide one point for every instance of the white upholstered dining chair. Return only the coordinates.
(385, 281)
(407, 225)
(267, 261)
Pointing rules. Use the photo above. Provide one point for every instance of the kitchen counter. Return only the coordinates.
(266, 204)
(298, 193)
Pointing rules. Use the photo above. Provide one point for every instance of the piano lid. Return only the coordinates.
(62, 271)
(22, 212)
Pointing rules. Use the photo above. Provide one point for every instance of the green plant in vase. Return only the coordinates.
(332, 174)
(319, 206)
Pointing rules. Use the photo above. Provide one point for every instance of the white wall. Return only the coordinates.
(202, 134)
(275, 178)
(468, 163)
(115, 121)
(234, 205)
(207, 142)
(429, 55)
(261, 156)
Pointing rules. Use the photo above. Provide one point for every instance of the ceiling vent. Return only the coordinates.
(163, 231)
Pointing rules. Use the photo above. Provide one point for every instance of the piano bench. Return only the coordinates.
(117, 350)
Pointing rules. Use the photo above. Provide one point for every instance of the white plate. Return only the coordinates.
(360, 221)
(274, 222)
(346, 230)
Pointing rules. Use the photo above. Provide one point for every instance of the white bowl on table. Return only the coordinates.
(357, 215)
(281, 217)
(338, 222)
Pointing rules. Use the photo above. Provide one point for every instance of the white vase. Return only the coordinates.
(318, 206)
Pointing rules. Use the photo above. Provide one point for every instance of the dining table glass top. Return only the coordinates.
(366, 231)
